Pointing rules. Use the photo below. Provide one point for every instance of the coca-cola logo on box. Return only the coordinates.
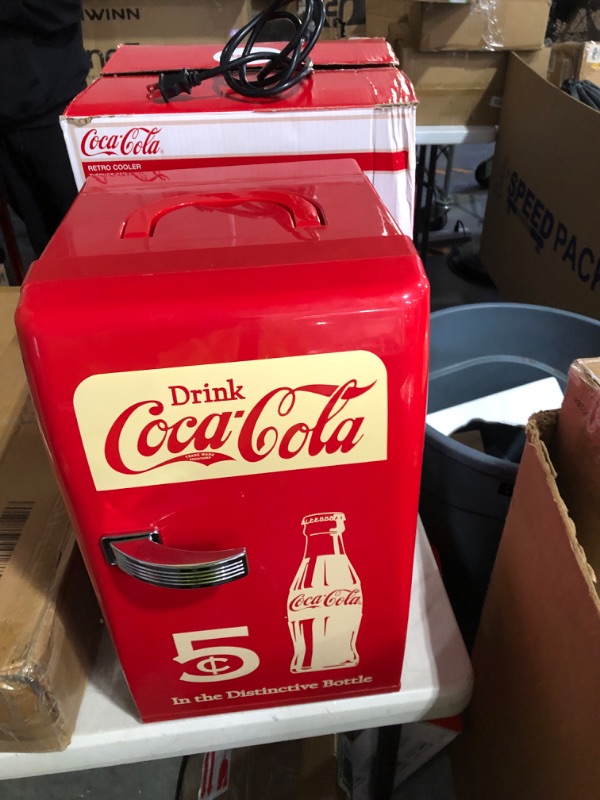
(139, 141)
(209, 421)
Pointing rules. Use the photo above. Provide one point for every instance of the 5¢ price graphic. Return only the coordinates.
(221, 662)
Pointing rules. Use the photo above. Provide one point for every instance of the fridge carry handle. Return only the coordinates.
(303, 213)
(143, 556)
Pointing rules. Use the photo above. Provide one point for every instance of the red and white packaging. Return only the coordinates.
(356, 104)
(230, 368)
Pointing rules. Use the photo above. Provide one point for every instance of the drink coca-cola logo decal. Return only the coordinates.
(137, 141)
(222, 420)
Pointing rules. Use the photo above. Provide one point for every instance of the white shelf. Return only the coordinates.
(436, 682)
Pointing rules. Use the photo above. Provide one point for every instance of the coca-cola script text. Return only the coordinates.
(138, 141)
(337, 597)
(248, 434)
(224, 420)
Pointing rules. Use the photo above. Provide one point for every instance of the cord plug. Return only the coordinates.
(170, 85)
(251, 74)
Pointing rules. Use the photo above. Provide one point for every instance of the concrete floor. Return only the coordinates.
(157, 780)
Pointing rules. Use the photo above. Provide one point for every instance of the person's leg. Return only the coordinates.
(38, 178)
(50, 163)
(18, 187)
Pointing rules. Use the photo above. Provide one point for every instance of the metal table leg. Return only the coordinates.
(445, 201)
(423, 215)
(430, 189)
(419, 181)
(382, 776)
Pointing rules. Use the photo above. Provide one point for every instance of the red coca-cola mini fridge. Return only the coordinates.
(229, 367)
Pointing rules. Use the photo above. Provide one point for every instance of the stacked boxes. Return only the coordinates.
(49, 618)
(184, 22)
(456, 53)
(156, 22)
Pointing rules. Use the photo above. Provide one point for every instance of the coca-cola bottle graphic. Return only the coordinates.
(325, 599)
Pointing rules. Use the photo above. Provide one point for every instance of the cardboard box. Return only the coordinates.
(455, 88)
(577, 454)
(13, 383)
(189, 22)
(461, 88)
(501, 25)
(577, 60)
(49, 620)
(158, 22)
(419, 743)
(303, 769)
(381, 14)
(478, 26)
(531, 730)
(541, 240)
(356, 104)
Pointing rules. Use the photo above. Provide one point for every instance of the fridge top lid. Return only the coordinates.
(221, 218)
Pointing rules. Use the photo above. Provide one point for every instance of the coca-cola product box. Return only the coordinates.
(229, 368)
(355, 104)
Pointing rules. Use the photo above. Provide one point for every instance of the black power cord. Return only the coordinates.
(278, 72)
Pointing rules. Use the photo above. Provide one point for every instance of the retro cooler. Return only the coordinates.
(229, 367)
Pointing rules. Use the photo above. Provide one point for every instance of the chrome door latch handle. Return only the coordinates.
(143, 556)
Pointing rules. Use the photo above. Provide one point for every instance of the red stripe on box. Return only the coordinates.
(368, 162)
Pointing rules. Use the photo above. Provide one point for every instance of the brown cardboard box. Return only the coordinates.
(500, 25)
(577, 454)
(455, 88)
(531, 732)
(401, 14)
(480, 25)
(13, 383)
(577, 60)
(304, 769)
(190, 22)
(49, 620)
(158, 22)
(460, 88)
(541, 239)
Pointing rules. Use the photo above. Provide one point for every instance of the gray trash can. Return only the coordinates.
(477, 350)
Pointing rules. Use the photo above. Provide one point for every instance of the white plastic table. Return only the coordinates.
(436, 682)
